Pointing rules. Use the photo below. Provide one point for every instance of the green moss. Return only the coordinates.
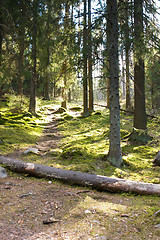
(73, 152)
(76, 109)
(68, 117)
(139, 136)
(85, 141)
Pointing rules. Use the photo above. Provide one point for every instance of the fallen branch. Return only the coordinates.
(79, 178)
(127, 111)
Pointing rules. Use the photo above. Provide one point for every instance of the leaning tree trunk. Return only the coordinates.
(83, 179)
(114, 155)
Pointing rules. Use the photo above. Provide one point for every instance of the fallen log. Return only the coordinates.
(84, 179)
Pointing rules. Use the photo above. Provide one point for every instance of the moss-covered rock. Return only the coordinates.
(60, 110)
(68, 117)
(76, 109)
(73, 152)
(139, 136)
(97, 113)
(55, 152)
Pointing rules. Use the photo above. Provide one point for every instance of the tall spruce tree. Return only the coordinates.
(114, 155)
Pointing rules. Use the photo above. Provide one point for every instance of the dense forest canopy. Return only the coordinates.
(53, 31)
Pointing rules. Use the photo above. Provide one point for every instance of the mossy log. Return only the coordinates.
(84, 179)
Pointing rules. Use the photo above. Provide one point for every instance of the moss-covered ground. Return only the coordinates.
(83, 213)
(85, 141)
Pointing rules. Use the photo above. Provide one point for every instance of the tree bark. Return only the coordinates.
(32, 104)
(127, 49)
(46, 84)
(21, 64)
(83, 179)
(90, 79)
(21, 36)
(1, 32)
(85, 84)
(140, 117)
(114, 155)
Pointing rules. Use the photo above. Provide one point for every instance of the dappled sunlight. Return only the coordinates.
(94, 205)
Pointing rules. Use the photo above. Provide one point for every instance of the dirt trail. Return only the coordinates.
(49, 139)
(51, 136)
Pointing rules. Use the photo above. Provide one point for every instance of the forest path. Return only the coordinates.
(49, 140)
(51, 136)
(76, 212)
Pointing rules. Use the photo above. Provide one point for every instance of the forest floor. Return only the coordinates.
(43, 209)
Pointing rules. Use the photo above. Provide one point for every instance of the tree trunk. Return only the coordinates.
(123, 75)
(32, 105)
(21, 63)
(127, 48)
(83, 179)
(140, 117)
(108, 92)
(1, 39)
(64, 89)
(114, 155)
(85, 85)
(1, 33)
(54, 88)
(107, 61)
(90, 79)
(69, 95)
(46, 86)
(21, 34)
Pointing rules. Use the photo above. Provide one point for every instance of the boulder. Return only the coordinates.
(31, 150)
(3, 172)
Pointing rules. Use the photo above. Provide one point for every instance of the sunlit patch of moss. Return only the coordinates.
(93, 206)
(17, 136)
(55, 152)
(120, 173)
(73, 152)
(18, 129)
